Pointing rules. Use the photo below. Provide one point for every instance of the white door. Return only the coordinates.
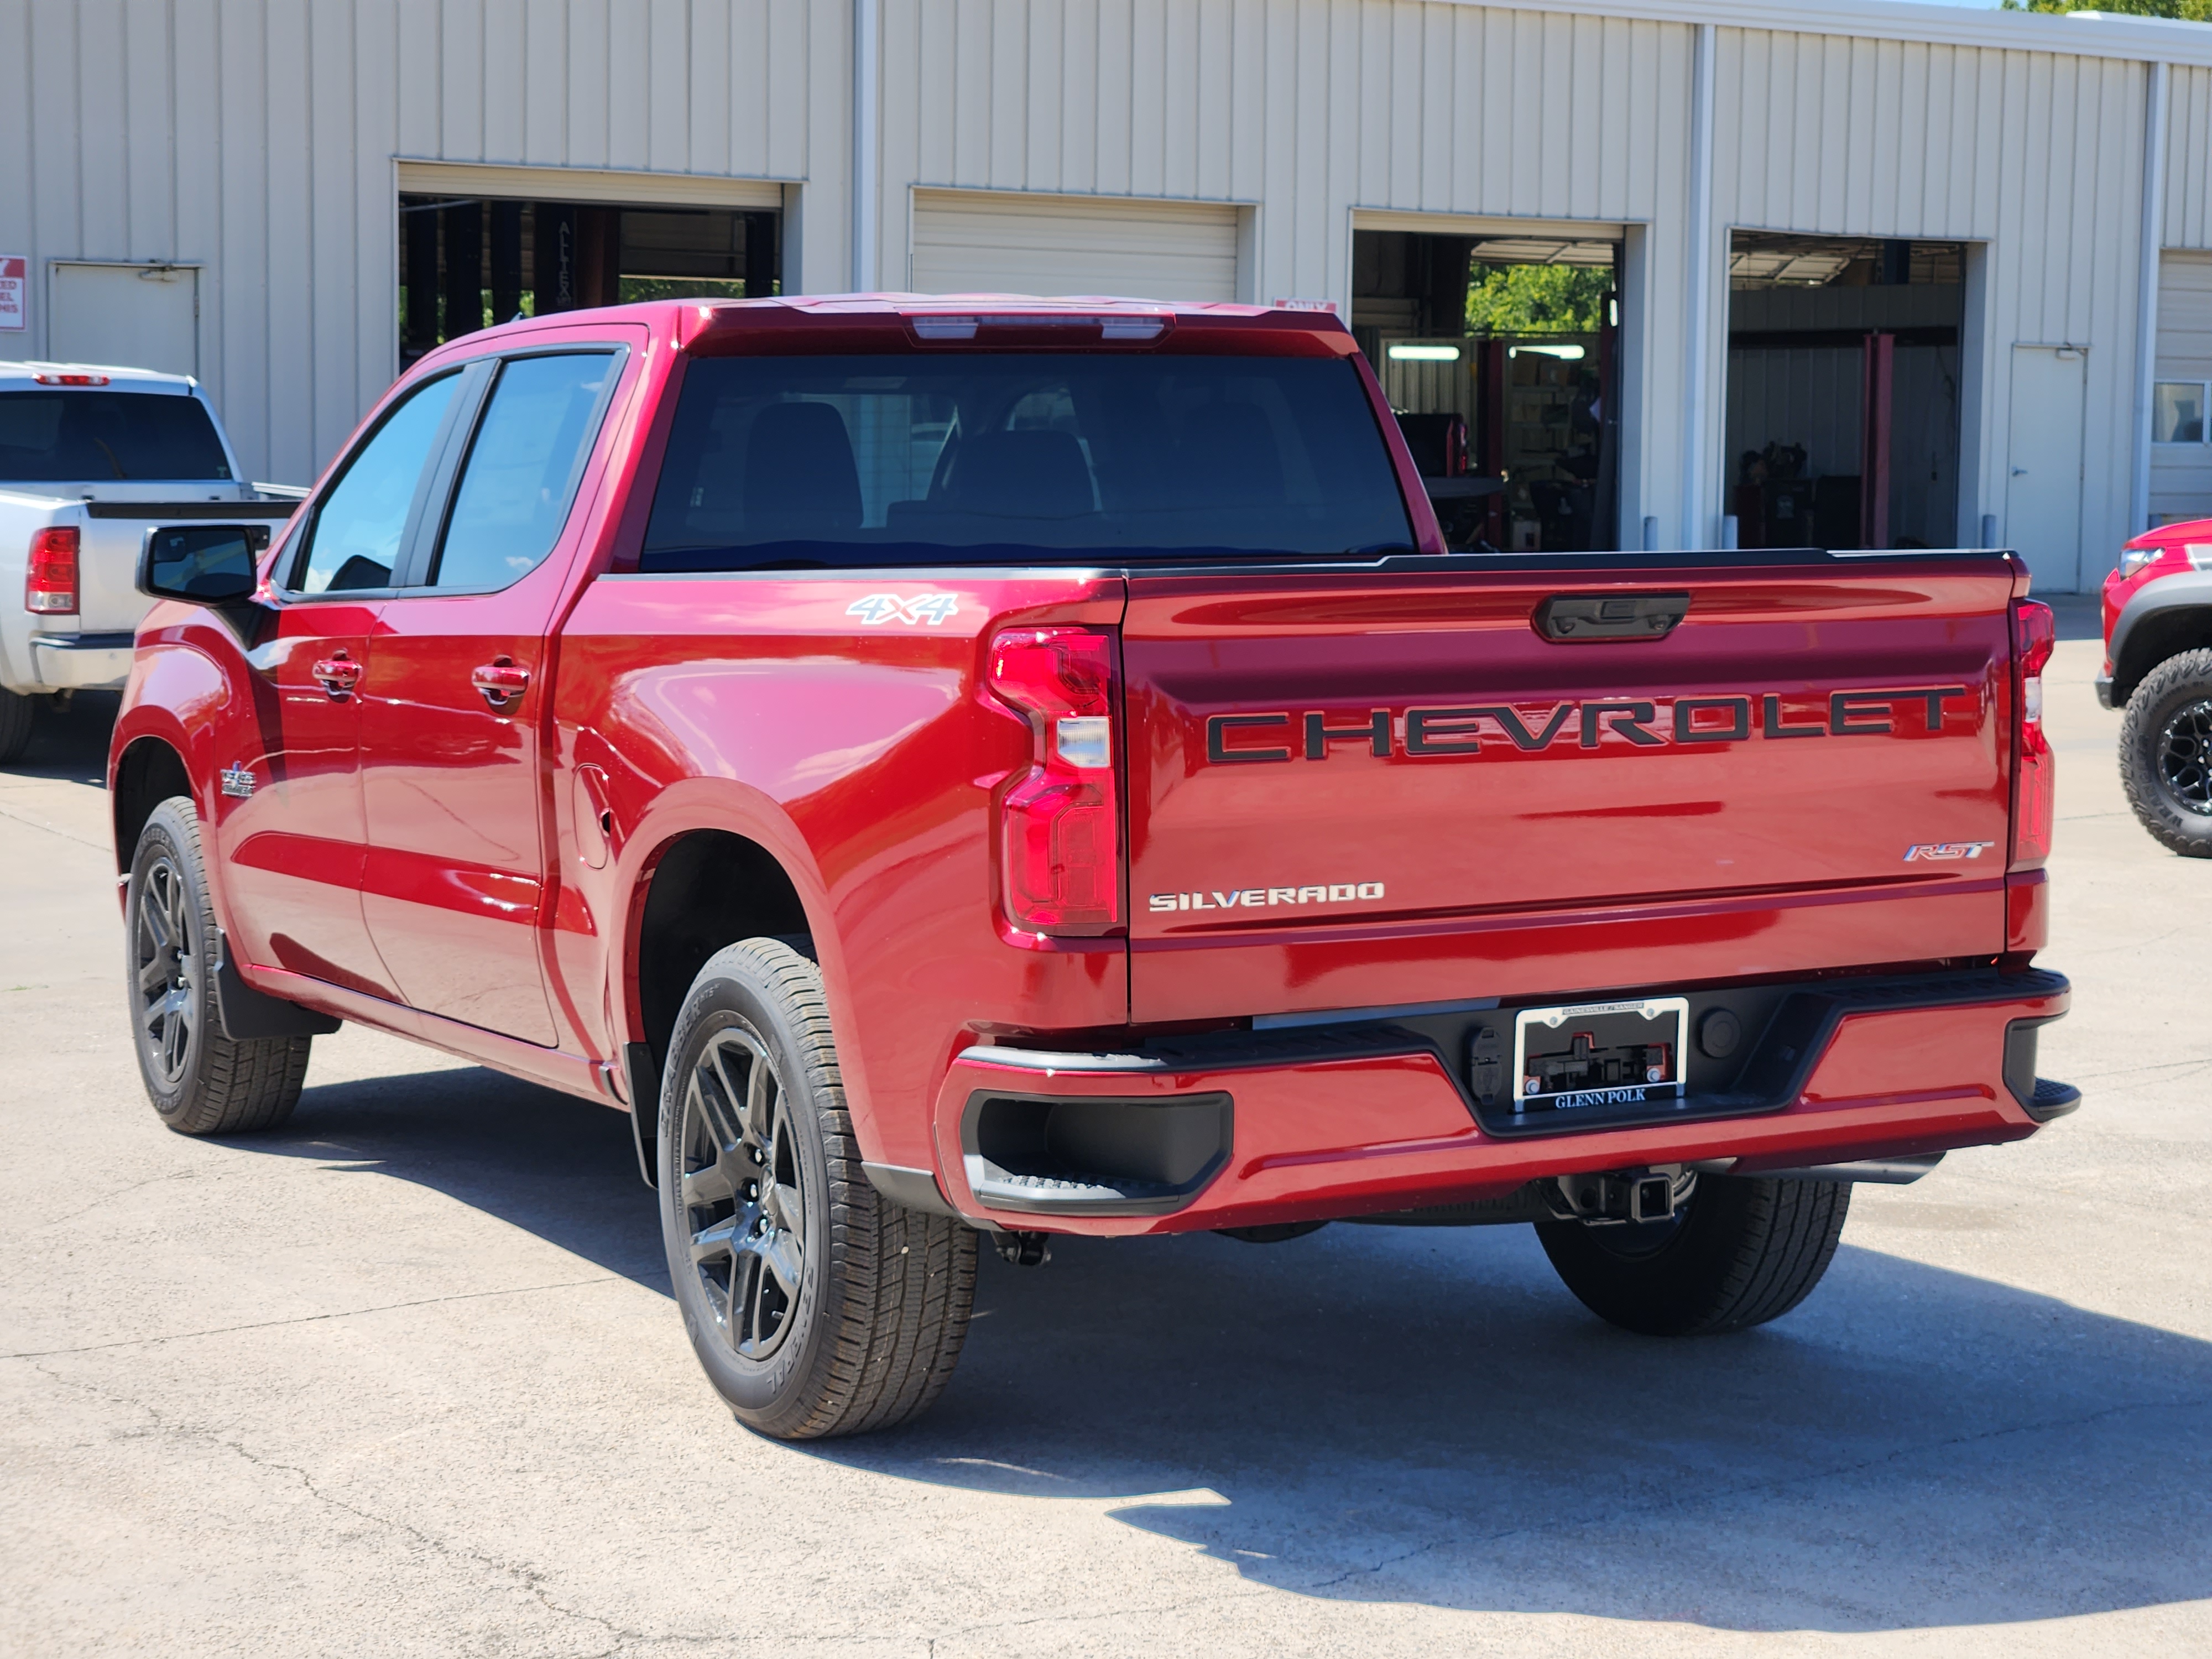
(124, 316)
(2043, 496)
(992, 242)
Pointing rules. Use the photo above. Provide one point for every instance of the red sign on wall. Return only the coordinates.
(13, 270)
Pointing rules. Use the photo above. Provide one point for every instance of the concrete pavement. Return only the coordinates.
(405, 1378)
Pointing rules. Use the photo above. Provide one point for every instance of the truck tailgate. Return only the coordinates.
(1373, 790)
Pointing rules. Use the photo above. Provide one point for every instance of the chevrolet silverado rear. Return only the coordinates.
(1001, 767)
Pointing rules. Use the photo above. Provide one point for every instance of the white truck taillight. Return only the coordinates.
(2035, 632)
(50, 577)
(1060, 843)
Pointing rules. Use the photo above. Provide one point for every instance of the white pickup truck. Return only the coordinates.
(90, 459)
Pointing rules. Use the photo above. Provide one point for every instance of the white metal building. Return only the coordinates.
(226, 186)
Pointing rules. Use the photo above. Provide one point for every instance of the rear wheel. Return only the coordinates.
(1741, 1252)
(15, 718)
(200, 1081)
(2166, 753)
(816, 1305)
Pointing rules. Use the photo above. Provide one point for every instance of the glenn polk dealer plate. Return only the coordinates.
(1599, 1054)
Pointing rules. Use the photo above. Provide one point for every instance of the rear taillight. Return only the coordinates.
(2033, 634)
(1060, 846)
(49, 579)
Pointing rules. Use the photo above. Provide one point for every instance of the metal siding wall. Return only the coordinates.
(2188, 212)
(2181, 474)
(1306, 109)
(2038, 155)
(255, 137)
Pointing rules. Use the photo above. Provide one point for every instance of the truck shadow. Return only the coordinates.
(1384, 1415)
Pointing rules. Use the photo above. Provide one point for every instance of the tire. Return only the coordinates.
(200, 1081)
(16, 717)
(816, 1305)
(1743, 1251)
(2166, 754)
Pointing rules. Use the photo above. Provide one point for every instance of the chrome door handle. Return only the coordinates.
(337, 674)
(501, 682)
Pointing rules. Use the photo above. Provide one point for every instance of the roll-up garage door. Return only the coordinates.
(968, 242)
(2181, 436)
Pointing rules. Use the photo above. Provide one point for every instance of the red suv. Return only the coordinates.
(2157, 666)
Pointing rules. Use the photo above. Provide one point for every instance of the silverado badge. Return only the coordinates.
(238, 781)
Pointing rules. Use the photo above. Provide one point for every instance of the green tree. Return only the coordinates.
(1538, 299)
(2188, 11)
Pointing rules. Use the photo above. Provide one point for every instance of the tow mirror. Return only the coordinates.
(205, 563)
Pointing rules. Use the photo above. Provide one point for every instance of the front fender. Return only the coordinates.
(2171, 615)
(178, 694)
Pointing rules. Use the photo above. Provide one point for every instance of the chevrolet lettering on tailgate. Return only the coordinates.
(1459, 730)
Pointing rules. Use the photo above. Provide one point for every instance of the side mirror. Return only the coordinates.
(205, 563)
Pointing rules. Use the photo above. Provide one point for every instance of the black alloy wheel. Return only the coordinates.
(2185, 758)
(166, 969)
(2166, 753)
(744, 1191)
(815, 1304)
(201, 1080)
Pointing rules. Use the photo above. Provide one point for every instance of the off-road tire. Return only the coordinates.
(1744, 1250)
(17, 716)
(2167, 691)
(200, 1081)
(884, 1292)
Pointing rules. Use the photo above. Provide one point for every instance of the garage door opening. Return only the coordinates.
(1842, 390)
(466, 262)
(1499, 355)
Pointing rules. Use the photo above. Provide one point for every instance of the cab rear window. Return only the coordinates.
(908, 459)
(88, 437)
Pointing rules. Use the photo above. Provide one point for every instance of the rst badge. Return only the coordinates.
(237, 780)
(1944, 852)
(877, 609)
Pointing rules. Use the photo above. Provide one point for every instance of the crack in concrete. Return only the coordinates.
(54, 829)
(529, 1580)
(310, 1319)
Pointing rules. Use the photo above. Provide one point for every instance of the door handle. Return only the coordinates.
(337, 674)
(2020, 472)
(501, 681)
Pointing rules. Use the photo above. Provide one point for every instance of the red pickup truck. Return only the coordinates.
(998, 767)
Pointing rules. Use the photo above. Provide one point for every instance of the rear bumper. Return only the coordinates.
(81, 662)
(1357, 1120)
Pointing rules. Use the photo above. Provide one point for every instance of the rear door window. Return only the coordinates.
(892, 459)
(522, 469)
(361, 521)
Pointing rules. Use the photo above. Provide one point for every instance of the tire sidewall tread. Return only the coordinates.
(889, 1291)
(2183, 678)
(229, 1087)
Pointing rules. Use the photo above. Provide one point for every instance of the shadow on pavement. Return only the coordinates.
(1374, 1414)
(69, 745)
(552, 1164)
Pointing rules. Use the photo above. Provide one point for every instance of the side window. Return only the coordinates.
(522, 469)
(354, 542)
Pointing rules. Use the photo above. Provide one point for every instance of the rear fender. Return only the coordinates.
(728, 807)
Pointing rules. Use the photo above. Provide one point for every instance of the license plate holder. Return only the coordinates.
(1606, 1056)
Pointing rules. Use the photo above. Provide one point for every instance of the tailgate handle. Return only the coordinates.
(1579, 618)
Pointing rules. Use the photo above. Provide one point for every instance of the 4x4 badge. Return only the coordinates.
(878, 609)
(237, 780)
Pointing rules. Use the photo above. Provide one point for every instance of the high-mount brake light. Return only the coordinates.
(1060, 846)
(70, 380)
(50, 574)
(1111, 325)
(2035, 632)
